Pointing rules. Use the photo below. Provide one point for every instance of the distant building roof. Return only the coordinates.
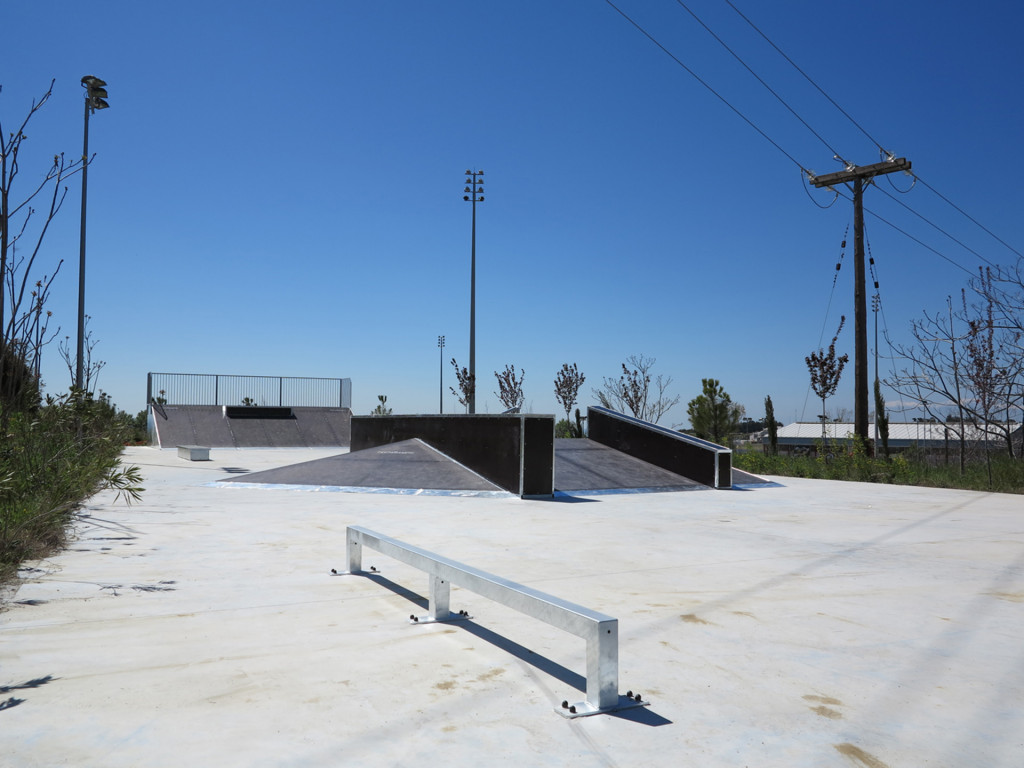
(900, 433)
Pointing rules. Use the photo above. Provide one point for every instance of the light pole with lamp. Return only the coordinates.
(95, 98)
(440, 345)
(474, 194)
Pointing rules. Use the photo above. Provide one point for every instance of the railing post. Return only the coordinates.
(354, 550)
(440, 598)
(603, 665)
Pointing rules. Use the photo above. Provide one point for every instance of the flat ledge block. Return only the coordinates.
(194, 452)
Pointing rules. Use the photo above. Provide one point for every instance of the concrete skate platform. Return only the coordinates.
(581, 466)
(813, 624)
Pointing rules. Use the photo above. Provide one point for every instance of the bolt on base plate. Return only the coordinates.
(460, 616)
(586, 709)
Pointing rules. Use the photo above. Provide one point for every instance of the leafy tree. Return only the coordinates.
(567, 386)
(633, 391)
(713, 414)
(381, 409)
(826, 369)
(881, 420)
(510, 388)
(467, 385)
(773, 426)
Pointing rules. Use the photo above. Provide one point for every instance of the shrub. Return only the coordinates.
(51, 459)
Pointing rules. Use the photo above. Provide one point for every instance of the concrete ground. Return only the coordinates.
(813, 624)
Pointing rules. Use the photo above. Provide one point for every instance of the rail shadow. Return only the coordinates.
(640, 715)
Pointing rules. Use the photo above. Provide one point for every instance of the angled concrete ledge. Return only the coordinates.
(691, 457)
(514, 451)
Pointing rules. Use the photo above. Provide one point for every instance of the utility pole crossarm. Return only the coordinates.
(856, 175)
(861, 172)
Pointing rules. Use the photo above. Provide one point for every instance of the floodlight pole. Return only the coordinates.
(440, 345)
(857, 175)
(474, 194)
(95, 98)
(876, 302)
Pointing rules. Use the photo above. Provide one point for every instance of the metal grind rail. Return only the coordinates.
(599, 630)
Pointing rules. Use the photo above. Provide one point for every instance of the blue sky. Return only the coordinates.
(277, 187)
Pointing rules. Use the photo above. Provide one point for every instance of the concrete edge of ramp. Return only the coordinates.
(366, 489)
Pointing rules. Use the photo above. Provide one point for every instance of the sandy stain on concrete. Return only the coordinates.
(490, 674)
(824, 711)
(1013, 597)
(823, 700)
(859, 756)
(692, 618)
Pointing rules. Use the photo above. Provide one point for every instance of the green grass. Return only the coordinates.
(51, 460)
(1007, 474)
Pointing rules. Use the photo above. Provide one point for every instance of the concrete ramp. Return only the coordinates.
(218, 426)
(586, 465)
(408, 465)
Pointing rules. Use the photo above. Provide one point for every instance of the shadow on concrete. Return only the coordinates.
(640, 715)
(14, 701)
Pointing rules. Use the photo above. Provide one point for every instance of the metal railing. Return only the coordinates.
(599, 630)
(221, 389)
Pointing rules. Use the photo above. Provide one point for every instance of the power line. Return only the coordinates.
(808, 78)
(916, 240)
(782, 101)
(971, 218)
(697, 77)
(886, 153)
(936, 226)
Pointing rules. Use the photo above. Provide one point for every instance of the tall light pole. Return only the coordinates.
(95, 98)
(876, 302)
(440, 345)
(474, 194)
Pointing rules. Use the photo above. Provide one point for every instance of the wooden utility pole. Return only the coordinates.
(857, 175)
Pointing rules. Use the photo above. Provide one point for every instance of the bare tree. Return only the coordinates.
(467, 385)
(995, 363)
(91, 369)
(24, 323)
(635, 391)
(932, 375)
(968, 362)
(510, 388)
(826, 369)
(567, 386)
